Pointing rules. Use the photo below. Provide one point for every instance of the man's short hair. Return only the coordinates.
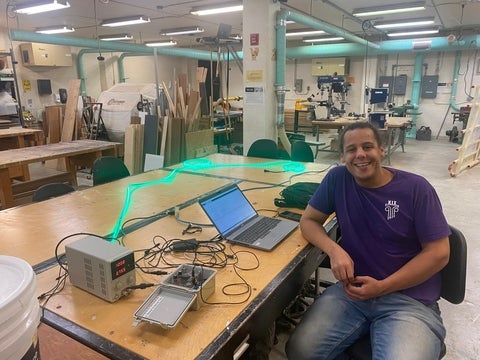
(355, 126)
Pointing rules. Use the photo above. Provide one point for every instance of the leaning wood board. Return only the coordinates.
(71, 110)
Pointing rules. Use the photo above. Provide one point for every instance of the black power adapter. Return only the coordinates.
(184, 245)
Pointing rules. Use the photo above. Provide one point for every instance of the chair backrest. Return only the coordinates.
(52, 190)
(455, 272)
(108, 168)
(301, 151)
(264, 148)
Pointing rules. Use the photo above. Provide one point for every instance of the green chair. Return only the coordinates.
(263, 148)
(107, 169)
(301, 151)
(51, 190)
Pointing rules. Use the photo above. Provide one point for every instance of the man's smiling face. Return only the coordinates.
(362, 156)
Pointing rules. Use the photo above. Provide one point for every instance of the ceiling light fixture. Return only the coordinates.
(182, 31)
(324, 39)
(413, 33)
(404, 23)
(389, 9)
(55, 30)
(132, 20)
(161, 43)
(303, 33)
(220, 9)
(115, 37)
(42, 6)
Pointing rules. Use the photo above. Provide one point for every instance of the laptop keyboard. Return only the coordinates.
(258, 230)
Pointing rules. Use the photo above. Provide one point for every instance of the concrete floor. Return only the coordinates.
(459, 197)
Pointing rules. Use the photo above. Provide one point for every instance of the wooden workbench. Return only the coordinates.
(75, 153)
(15, 138)
(395, 129)
(214, 331)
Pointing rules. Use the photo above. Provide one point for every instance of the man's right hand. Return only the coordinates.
(342, 265)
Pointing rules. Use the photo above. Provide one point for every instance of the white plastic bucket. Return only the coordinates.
(19, 310)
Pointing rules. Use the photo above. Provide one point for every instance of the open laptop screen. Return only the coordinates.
(228, 209)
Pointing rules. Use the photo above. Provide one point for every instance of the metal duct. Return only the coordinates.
(319, 25)
(386, 47)
(19, 35)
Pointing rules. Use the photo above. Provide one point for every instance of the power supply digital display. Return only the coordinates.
(123, 266)
(104, 269)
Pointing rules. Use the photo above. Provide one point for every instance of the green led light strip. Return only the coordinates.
(189, 165)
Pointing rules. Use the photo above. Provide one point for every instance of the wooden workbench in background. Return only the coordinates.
(76, 153)
(15, 138)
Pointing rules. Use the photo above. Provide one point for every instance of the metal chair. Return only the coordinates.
(52, 190)
(301, 151)
(263, 148)
(453, 290)
(107, 169)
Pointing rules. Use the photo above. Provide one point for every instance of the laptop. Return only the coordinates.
(237, 221)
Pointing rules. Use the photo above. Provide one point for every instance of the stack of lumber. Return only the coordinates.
(183, 116)
(180, 134)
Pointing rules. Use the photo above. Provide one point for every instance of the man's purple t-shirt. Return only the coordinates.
(383, 228)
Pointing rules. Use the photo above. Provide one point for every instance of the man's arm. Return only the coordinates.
(433, 257)
(311, 225)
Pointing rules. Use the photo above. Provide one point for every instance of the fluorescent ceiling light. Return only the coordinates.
(182, 31)
(55, 30)
(42, 6)
(126, 21)
(221, 9)
(115, 37)
(161, 43)
(324, 39)
(389, 9)
(303, 33)
(413, 32)
(404, 23)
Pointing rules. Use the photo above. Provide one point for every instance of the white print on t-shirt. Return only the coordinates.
(391, 207)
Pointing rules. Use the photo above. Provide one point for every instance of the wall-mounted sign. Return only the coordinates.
(254, 76)
(254, 95)
(27, 86)
(254, 39)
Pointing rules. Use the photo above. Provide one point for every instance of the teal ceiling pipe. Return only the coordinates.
(81, 70)
(319, 25)
(121, 59)
(416, 83)
(280, 70)
(20, 35)
(456, 69)
(121, 68)
(386, 47)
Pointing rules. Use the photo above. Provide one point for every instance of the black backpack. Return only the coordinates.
(296, 195)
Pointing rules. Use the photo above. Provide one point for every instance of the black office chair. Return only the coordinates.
(108, 168)
(453, 290)
(301, 151)
(52, 190)
(263, 148)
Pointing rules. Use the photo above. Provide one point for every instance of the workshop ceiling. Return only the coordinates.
(453, 17)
